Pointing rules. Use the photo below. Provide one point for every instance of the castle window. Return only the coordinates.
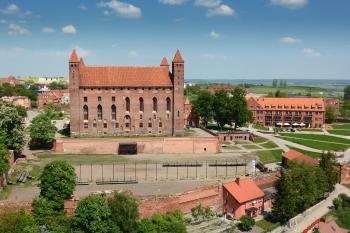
(114, 112)
(155, 104)
(99, 112)
(141, 125)
(168, 104)
(150, 124)
(127, 122)
(141, 104)
(154, 116)
(86, 112)
(127, 104)
(160, 124)
(178, 113)
(99, 98)
(140, 116)
(85, 99)
(94, 124)
(113, 98)
(86, 125)
(105, 125)
(116, 125)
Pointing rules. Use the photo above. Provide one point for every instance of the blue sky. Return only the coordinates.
(226, 39)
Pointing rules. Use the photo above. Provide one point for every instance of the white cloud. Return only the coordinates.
(291, 4)
(214, 56)
(15, 29)
(311, 53)
(83, 52)
(121, 9)
(214, 35)
(48, 30)
(133, 54)
(13, 9)
(290, 40)
(222, 10)
(207, 3)
(172, 2)
(82, 7)
(69, 29)
(2, 21)
(11, 52)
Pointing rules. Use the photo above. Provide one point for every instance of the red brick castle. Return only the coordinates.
(121, 100)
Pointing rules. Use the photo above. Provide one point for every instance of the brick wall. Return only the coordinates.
(180, 145)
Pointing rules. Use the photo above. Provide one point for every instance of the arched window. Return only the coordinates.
(86, 112)
(155, 104)
(168, 104)
(114, 112)
(141, 104)
(127, 104)
(99, 112)
(127, 122)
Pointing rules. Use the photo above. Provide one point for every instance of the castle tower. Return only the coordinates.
(178, 93)
(74, 64)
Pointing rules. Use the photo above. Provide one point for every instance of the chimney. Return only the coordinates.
(237, 180)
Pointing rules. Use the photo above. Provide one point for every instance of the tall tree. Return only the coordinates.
(240, 112)
(221, 108)
(331, 114)
(13, 222)
(4, 159)
(331, 168)
(203, 107)
(11, 128)
(274, 83)
(42, 132)
(347, 93)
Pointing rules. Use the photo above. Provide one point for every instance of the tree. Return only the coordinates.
(11, 128)
(331, 168)
(58, 181)
(171, 222)
(58, 86)
(93, 216)
(347, 93)
(221, 108)
(331, 114)
(274, 83)
(42, 132)
(4, 159)
(12, 222)
(203, 107)
(246, 223)
(21, 111)
(299, 187)
(240, 111)
(124, 212)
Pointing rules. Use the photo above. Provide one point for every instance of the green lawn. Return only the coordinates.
(310, 129)
(267, 225)
(232, 147)
(83, 158)
(260, 127)
(318, 145)
(251, 146)
(309, 153)
(258, 139)
(270, 156)
(189, 132)
(269, 145)
(340, 132)
(325, 138)
(341, 126)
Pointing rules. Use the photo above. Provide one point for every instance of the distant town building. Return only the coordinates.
(10, 80)
(243, 197)
(293, 155)
(233, 136)
(217, 87)
(332, 102)
(287, 112)
(18, 101)
(121, 100)
(48, 80)
(55, 97)
(191, 119)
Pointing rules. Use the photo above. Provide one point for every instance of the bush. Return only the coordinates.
(246, 223)
(44, 208)
(12, 222)
(42, 132)
(4, 159)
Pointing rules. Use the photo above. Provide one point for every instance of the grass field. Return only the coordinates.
(258, 139)
(250, 146)
(301, 90)
(270, 156)
(260, 127)
(309, 153)
(269, 145)
(267, 225)
(310, 129)
(341, 126)
(320, 145)
(323, 138)
(343, 132)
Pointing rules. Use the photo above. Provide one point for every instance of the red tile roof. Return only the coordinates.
(298, 156)
(178, 57)
(244, 190)
(74, 57)
(331, 227)
(11, 80)
(164, 62)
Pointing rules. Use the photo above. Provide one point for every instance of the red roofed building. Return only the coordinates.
(297, 156)
(10, 80)
(243, 197)
(51, 97)
(124, 100)
(287, 112)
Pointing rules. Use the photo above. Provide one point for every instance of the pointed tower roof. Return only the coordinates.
(178, 57)
(187, 101)
(82, 62)
(74, 57)
(164, 62)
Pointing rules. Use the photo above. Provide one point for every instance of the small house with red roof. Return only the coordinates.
(10, 80)
(243, 197)
(293, 155)
(51, 97)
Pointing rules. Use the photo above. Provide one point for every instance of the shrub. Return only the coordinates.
(246, 223)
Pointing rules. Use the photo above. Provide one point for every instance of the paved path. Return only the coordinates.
(317, 211)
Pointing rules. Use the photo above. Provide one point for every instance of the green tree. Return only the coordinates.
(331, 169)
(58, 181)
(171, 222)
(345, 109)
(42, 132)
(240, 112)
(347, 93)
(246, 223)
(221, 108)
(274, 83)
(11, 128)
(203, 107)
(93, 216)
(331, 114)
(13, 222)
(4, 159)
(21, 111)
(44, 208)
(124, 212)
(58, 86)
